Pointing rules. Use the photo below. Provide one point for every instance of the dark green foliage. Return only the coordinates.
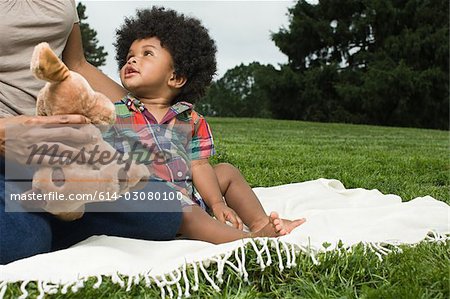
(367, 61)
(379, 62)
(239, 93)
(94, 54)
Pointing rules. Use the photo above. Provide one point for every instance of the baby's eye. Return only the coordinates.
(147, 53)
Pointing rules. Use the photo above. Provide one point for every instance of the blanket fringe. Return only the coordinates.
(434, 236)
(3, 287)
(98, 283)
(186, 281)
(174, 282)
(24, 290)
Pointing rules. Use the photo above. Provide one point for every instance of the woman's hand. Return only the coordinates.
(224, 214)
(20, 135)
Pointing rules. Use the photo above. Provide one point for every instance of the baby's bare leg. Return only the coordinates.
(240, 197)
(197, 224)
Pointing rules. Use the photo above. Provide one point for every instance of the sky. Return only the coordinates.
(241, 29)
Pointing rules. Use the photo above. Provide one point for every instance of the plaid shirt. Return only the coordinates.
(182, 133)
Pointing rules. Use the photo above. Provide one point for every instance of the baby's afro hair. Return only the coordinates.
(192, 49)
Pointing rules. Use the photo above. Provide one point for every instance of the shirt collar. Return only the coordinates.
(135, 105)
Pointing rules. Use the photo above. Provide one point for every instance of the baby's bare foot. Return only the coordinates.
(284, 226)
(267, 230)
(275, 226)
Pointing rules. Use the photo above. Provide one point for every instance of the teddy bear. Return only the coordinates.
(67, 92)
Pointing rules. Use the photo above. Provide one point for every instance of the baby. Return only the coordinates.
(167, 61)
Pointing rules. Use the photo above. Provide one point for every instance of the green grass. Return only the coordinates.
(402, 161)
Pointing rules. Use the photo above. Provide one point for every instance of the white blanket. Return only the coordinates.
(333, 213)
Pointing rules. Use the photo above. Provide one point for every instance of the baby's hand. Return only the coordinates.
(224, 214)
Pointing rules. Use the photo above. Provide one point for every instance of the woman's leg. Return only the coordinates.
(22, 234)
(240, 197)
(155, 226)
(157, 220)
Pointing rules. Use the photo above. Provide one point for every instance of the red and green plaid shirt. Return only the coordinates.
(131, 113)
(135, 124)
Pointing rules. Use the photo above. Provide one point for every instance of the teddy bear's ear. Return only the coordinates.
(46, 65)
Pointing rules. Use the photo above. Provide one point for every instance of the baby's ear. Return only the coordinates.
(177, 81)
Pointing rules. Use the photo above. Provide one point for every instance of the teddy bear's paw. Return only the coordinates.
(46, 65)
(101, 111)
(135, 177)
(70, 216)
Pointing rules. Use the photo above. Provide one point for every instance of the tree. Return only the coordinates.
(94, 54)
(367, 61)
(239, 93)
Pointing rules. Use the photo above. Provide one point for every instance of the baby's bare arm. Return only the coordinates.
(205, 180)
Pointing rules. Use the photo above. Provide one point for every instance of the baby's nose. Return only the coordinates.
(132, 60)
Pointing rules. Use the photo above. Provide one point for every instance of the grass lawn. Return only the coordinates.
(402, 161)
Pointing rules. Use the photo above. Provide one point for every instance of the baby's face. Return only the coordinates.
(148, 69)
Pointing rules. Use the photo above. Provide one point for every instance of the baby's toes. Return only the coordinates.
(283, 232)
(278, 226)
(273, 217)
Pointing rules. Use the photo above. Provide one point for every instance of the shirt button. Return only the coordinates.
(179, 174)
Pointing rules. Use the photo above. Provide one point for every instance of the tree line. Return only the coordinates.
(381, 62)
(95, 54)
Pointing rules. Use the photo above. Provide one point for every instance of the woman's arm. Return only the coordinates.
(73, 57)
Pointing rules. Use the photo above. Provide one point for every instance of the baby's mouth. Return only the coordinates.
(130, 71)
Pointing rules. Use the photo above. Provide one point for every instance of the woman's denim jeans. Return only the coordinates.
(23, 234)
